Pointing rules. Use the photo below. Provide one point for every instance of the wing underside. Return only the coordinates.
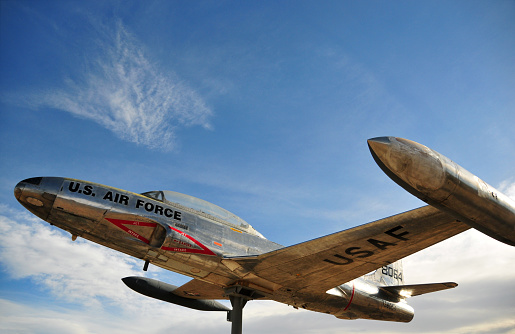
(197, 289)
(321, 264)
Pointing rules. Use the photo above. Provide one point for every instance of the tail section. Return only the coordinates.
(392, 274)
(389, 275)
(390, 280)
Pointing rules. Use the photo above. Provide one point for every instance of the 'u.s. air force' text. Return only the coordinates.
(113, 196)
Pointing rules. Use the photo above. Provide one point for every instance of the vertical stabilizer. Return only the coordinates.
(388, 275)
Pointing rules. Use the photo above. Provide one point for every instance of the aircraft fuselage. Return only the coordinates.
(190, 242)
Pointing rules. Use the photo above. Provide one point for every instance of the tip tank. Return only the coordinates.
(165, 292)
(440, 182)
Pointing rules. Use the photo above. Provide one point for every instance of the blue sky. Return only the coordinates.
(263, 108)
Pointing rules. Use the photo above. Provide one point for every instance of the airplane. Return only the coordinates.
(355, 273)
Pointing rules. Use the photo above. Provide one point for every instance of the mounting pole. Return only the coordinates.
(239, 296)
(236, 315)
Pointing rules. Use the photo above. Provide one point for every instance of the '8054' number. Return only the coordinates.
(389, 271)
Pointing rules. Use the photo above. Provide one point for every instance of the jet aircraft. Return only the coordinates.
(355, 273)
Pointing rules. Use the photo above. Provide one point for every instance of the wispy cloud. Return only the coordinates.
(31, 249)
(121, 89)
(508, 188)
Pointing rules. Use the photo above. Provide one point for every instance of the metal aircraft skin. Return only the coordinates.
(350, 274)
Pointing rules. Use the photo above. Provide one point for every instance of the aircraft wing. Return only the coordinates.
(197, 289)
(321, 264)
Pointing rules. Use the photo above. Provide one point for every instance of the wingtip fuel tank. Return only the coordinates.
(442, 183)
(165, 292)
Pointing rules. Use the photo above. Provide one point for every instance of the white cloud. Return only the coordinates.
(508, 188)
(466, 258)
(78, 271)
(125, 92)
(146, 315)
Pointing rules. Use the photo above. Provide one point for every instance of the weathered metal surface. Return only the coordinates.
(166, 292)
(441, 182)
(193, 244)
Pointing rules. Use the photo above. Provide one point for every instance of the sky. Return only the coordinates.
(263, 108)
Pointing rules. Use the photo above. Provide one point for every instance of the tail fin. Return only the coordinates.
(390, 279)
(388, 275)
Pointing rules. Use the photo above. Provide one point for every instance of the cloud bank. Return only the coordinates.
(125, 92)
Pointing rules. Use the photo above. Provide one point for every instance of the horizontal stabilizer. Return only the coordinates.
(412, 290)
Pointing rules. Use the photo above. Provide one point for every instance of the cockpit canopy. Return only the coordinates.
(204, 207)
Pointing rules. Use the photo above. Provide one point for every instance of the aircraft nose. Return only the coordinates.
(18, 189)
(37, 194)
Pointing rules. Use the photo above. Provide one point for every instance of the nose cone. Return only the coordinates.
(393, 157)
(38, 194)
(380, 148)
(135, 283)
(413, 166)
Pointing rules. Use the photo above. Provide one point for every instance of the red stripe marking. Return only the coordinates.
(121, 224)
(204, 250)
(351, 297)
